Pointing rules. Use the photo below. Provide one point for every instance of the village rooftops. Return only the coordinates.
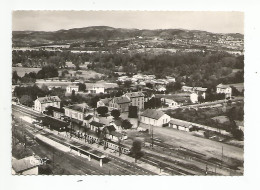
(48, 99)
(153, 114)
(223, 86)
(121, 100)
(134, 94)
(96, 124)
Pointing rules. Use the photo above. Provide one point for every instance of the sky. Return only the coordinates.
(211, 21)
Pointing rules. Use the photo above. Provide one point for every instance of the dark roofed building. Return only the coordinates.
(95, 126)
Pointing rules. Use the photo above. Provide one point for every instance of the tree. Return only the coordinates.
(127, 83)
(102, 110)
(82, 86)
(132, 112)
(115, 113)
(45, 89)
(26, 100)
(126, 124)
(136, 149)
(15, 77)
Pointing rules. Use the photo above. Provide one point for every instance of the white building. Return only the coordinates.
(69, 89)
(180, 125)
(96, 89)
(154, 117)
(137, 99)
(171, 103)
(194, 98)
(40, 104)
(226, 89)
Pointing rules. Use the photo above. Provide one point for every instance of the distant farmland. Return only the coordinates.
(22, 70)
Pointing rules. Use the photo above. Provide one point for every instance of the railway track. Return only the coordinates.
(122, 166)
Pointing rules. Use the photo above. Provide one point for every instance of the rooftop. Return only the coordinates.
(78, 107)
(48, 99)
(180, 122)
(154, 114)
(96, 124)
(121, 100)
(25, 163)
(223, 86)
(134, 94)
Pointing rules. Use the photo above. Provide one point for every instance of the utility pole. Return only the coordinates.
(222, 157)
(53, 158)
(152, 136)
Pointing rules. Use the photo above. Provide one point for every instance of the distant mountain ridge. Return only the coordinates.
(94, 33)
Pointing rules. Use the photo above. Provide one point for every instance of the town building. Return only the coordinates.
(154, 117)
(76, 111)
(137, 99)
(226, 89)
(96, 89)
(69, 64)
(69, 89)
(120, 103)
(180, 125)
(96, 126)
(171, 103)
(104, 102)
(160, 88)
(40, 104)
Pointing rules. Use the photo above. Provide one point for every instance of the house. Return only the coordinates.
(194, 97)
(56, 112)
(154, 117)
(87, 119)
(69, 89)
(116, 136)
(187, 89)
(69, 64)
(180, 125)
(40, 104)
(121, 103)
(137, 99)
(76, 111)
(117, 124)
(160, 88)
(26, 166)
(171, 103)
(104, 102)
(96, 89)
(95, 126)
(226, 89)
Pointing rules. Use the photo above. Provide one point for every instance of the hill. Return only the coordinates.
(99, 33)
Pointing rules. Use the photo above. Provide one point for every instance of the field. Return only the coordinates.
(22, 70)
(86, 74)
